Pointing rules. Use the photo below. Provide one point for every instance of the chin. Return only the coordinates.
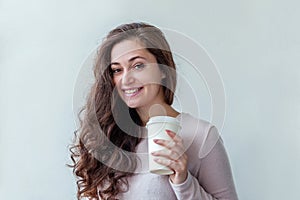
(130, 105)
(135, 104)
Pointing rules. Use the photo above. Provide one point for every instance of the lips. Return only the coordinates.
(132, 91)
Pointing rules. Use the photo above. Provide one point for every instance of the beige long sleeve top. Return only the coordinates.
(209, 171)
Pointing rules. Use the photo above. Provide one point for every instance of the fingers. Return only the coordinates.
(172, 156)
(174, 136)
(173, 151)
(169, 144)
(176, 165)
(167, 153)
(176, 140)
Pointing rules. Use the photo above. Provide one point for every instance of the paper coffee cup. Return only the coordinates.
(157, 127)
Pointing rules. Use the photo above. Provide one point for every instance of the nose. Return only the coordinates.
(127, 78)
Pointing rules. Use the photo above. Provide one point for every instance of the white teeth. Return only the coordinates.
(131, 91)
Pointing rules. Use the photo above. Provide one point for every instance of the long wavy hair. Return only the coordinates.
(104, 144)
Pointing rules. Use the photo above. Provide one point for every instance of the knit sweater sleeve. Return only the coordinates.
(214, 178)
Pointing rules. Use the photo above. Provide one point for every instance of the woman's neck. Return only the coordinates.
(156, 110)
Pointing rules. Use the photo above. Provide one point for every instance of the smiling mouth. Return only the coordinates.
(132, 92)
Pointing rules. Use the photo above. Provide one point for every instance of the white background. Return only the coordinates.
(255, 44)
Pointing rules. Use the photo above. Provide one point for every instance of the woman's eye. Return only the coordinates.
(139, 66)
(114, 71)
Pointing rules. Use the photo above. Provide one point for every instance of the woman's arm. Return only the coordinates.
(214, 180)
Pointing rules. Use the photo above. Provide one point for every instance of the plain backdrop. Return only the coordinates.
(255, 45)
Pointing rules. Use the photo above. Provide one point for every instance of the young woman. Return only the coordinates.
(135, 79)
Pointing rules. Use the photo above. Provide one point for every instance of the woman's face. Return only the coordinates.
(136, 74)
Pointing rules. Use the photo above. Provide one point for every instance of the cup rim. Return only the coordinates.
(163, 119)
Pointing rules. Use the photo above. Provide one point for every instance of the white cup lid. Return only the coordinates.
(163, 119)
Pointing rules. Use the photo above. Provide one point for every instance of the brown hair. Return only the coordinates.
(93, 155)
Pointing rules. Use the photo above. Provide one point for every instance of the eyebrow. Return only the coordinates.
(130, 60)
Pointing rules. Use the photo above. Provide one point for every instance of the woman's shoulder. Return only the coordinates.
(197, 133)
(188, 121)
